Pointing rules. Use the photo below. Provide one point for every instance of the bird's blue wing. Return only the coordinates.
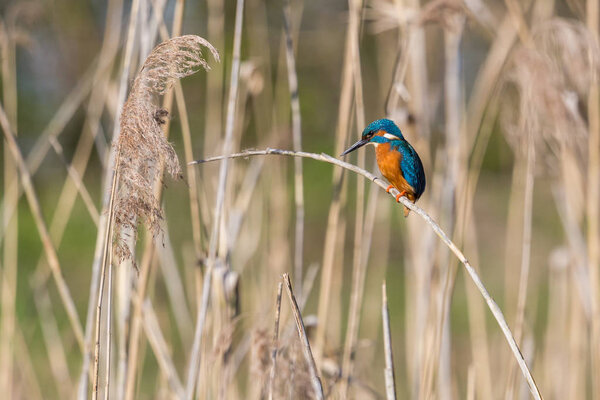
(412, 167)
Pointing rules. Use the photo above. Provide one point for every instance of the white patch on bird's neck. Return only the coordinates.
(390, 136)
(374, 144)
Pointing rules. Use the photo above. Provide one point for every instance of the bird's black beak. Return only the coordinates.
(355, 146)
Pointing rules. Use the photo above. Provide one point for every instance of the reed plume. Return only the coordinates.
(142, 148)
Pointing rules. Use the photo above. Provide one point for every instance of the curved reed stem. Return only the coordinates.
(498, 315)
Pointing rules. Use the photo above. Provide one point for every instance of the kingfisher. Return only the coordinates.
(398, 162)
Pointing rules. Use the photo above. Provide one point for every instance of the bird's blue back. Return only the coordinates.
(411, 166)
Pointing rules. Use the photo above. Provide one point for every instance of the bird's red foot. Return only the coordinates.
(402, 193)
(388, 188)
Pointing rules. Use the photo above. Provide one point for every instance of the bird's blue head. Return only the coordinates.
(379, 131)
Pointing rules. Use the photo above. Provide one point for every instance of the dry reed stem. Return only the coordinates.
(187, 144)
(131, 321)
(107, 256)
(593, 228)
(464, 219)
(241, 350)
(487, 78)
(390, 385)
(438, 355)
(512, 384)
(471, 372)
(108, 333)
(477, 326)
(97, 100)
(109, 187)
(136, 321)
(358, 266)
(420, 263)
(359, 276)
(297, 144)
(593, 199)
(52, 339)
(214, 110)
(516, 14)
(8, 47)
(497, 313)
(161, 349)
(77, 181)
(49, 249)
(312, 367)
(175, 288)
(275, 344)
(26, 365)
(191, 172)
(338, 183)
(195, 356)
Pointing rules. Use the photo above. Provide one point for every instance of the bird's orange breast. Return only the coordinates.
(388, 162)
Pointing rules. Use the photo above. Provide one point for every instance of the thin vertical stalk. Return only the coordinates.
(80, 188)
(106, 257)
(390, 385)
(420, 263)
(297, 144)
(11, 198)
(343, 123)
(81, 157)
(511, 390)
(275, 344)
(52, 339)
(593, 202)
(136, 320)
(358, 266)
(187, 143)
(130, 322)
(310, 361)
(161, 349)
(108, 196)
(438, 355)
(195, 357)
(108, 328)
(25, 364)
(215, 80)
(191, 172)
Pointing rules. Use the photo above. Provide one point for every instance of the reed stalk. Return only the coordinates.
(312, 367)
(195, 356)
(390, 385)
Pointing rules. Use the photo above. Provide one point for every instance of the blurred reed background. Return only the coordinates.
(500, 99)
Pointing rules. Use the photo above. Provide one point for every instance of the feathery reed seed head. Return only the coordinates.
(143, 151)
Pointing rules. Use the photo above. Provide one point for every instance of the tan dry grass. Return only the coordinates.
(555, 88)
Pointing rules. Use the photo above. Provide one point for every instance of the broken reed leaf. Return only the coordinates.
(142, 149)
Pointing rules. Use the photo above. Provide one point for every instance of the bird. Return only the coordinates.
(397, 160)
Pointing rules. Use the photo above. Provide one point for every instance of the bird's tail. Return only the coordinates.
(406, 211)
